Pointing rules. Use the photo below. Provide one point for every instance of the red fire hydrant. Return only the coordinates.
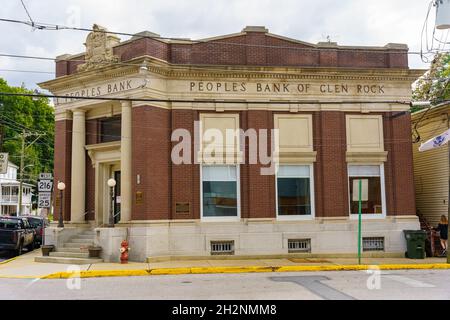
(124, 252)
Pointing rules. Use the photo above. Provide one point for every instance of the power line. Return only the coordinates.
(27, 71)
(26, 10)
(199, 100)
(49, 26)
(17, 124)
(71, 60)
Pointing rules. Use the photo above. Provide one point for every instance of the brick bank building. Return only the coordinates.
(341, 114)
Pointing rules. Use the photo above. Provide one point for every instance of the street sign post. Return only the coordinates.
(359, 219)
(3, 163)
(45, 187)
(362, 185)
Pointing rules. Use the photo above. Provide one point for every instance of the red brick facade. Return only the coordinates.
(163, 184)
(63, 164)
(158, 184)
(252, 49)
(151, 161)
(400, 196)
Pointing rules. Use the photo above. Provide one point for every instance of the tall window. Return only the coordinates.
(294, 191)
(220, 191)
(372, 182)
(110, 129)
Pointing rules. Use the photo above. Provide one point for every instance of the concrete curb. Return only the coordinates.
(249, 269)
(9, 260)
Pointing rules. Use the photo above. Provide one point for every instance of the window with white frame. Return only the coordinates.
(372, 188)
(220, 191)
(294, 191)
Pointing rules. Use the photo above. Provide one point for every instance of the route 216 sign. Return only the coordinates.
(45, 185)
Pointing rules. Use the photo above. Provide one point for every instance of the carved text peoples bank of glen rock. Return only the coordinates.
(341, 115)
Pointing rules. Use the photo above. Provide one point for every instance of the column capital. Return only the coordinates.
(78, 112)
(126, 103)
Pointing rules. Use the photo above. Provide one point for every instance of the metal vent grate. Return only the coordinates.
(373, 244)
(299, 245)
(222, 247)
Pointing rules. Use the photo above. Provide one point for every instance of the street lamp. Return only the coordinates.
(111, 185)
(61, 186)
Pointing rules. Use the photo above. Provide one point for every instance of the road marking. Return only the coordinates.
(315, 285)
(408, 281)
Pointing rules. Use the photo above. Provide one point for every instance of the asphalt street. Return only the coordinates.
(347, 285)
(4, 256)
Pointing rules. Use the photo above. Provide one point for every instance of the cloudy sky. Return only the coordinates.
(348, 22)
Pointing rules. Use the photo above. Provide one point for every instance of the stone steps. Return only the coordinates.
(74, 251)
(77, 244)
(86, 236)
(80, 240)
(68, 260)
(68, 254)
(71, 250)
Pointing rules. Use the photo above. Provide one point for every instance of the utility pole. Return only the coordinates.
(23, 135)
(2, 130)
(2, 133)
(22, 159)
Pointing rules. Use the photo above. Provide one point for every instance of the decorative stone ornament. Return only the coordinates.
(99, 49)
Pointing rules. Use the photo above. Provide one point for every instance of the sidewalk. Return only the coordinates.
(24, 267)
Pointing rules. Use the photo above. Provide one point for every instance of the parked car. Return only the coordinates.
(39, 224)
(16, 233)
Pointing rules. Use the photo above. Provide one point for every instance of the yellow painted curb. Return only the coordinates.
(9, 260)
(216, 270)
(17, 277)
(168, 271)
(248, 269)
(321, 268)
(97, 274)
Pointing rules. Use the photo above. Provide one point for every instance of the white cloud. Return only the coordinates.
(349, 22)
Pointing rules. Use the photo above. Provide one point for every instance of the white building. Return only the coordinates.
(9, 195)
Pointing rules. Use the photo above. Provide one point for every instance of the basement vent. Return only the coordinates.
(299, 245)
(373, 244)
(222, 247)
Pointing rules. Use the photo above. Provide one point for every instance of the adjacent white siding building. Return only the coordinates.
(9, 196)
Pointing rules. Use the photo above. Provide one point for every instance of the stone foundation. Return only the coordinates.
(251, 237)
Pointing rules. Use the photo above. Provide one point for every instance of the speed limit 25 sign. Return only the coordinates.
(44, 200)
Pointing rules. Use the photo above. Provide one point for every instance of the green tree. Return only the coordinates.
(35, 116)
(434, 85)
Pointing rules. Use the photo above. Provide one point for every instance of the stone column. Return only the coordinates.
(78, 186)
(125, 163)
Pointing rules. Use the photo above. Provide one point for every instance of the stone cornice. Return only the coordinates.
(171, 71)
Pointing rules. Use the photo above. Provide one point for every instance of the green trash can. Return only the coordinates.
(415, 243)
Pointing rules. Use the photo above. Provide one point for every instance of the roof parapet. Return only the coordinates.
(397, 46)
(261, 29)
(145, 34)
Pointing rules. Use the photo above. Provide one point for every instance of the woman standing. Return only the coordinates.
(443, 233)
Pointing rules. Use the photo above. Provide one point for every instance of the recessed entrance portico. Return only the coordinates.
(109, 159)
(105, 159)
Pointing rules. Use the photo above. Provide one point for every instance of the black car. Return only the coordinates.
(39, 224)
(16, 233)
